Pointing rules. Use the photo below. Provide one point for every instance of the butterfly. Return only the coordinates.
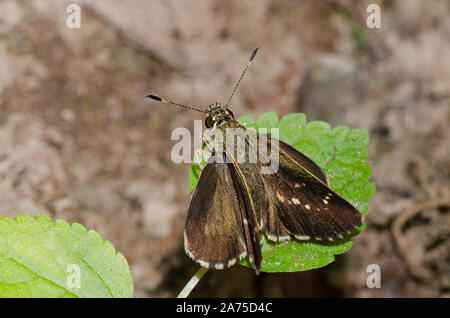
(234, 205)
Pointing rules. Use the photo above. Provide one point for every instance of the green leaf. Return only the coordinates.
(342, 155)
(289, 126)
(247, 121)
(267, 120)
(42, 259)
(294, 256)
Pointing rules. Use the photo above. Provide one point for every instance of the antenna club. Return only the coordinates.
(162, 100)
(254, 54)
(159, 99)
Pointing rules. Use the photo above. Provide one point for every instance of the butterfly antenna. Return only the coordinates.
(242, 75)
(162, 100)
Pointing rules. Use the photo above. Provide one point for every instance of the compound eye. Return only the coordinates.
(230, 113)
(209, 122)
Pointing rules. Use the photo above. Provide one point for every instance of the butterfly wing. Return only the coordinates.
(301, 201)
(234, 203)
(217, 233)
(299, 159)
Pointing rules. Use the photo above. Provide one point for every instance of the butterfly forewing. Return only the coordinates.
(218, 232)
(302, 201)
(291, 156)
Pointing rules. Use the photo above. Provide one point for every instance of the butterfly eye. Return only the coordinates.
(229, 112)
(209, 122)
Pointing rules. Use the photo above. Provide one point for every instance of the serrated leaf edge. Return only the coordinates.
(117, 256)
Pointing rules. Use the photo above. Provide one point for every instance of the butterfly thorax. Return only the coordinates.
(218, 116)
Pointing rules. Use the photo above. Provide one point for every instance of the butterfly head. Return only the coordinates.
(217, 115)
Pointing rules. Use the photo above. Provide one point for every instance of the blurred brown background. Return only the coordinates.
(79, 142)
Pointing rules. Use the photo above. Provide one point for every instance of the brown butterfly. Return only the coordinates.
(234, 205)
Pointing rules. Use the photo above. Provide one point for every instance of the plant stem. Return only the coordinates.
(192, 282)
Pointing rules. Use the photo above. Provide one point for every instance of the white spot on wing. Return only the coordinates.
(295, 201)
(280, 197)
(277, 238)
(203, 263)
(307, 207)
